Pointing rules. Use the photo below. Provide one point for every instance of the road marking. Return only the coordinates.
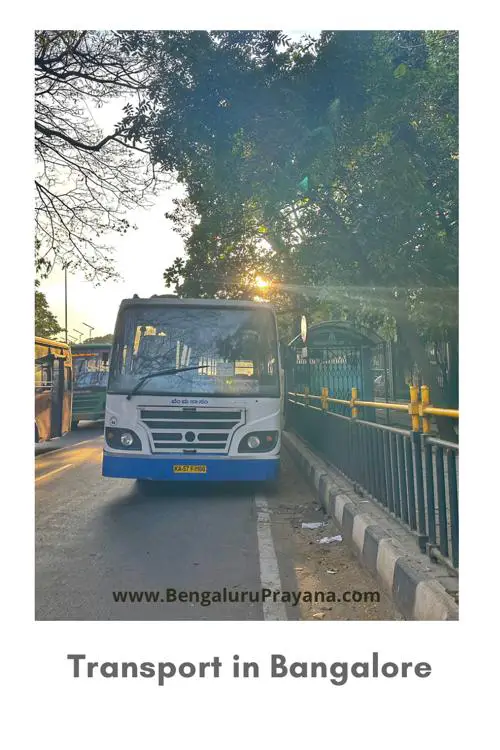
(269, 571)
(90, 440)
(67, 447)
(55, 471)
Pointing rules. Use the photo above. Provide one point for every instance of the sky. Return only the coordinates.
(141, 256)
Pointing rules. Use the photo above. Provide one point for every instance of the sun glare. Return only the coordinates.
(261, 283)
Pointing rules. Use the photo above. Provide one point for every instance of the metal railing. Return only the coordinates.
(412, 474)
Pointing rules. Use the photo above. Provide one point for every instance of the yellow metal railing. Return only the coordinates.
(418, 409)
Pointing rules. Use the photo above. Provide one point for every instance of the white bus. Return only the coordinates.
(194, 391)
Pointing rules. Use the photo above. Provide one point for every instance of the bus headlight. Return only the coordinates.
(122, 439)
(258, 442)
(126, 439)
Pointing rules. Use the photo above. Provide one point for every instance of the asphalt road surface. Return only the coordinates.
(105, 550)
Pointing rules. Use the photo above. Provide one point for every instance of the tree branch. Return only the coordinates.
(77, 144)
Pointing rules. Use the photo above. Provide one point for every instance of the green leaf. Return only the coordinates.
(401, 70)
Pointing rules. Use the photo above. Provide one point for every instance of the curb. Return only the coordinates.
(381, 544)
(46, 447)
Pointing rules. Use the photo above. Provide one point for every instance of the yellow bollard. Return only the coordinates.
(413, 408)
(354, 410)
(306, 395)
(425, 400)
(324, 398)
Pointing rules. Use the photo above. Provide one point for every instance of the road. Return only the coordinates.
(99, 538)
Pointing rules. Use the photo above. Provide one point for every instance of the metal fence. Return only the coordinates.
(412, 474)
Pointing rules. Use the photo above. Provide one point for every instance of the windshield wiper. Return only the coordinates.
(172, 371)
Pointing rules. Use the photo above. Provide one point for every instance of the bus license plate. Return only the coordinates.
(189, 469)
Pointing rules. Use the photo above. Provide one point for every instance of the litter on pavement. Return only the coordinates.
(313, 525)
(329, 539)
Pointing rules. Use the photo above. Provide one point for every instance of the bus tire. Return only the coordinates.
(37, 435)
(74, 424)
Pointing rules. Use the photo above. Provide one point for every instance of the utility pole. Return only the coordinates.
(66, 301)
(80, 334)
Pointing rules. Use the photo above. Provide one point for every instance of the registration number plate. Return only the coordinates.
(190, 469)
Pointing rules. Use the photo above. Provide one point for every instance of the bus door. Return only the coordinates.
(56, 416)
(43, 392)
(68, 398)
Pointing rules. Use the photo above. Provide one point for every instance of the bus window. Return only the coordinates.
(44, 366)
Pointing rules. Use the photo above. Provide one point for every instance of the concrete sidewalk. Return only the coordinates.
(420, 588)
(49, 445)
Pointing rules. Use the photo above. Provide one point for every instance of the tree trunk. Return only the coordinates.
(446, 425)
(453, 367)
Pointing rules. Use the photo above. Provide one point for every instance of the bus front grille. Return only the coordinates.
(193, 429)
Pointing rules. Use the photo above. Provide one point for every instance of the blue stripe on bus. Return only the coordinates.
(224, 469)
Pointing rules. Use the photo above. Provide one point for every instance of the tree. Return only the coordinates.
(331, 162)
(46, 324)
(107, 339)
(86, 180)
(364, 191)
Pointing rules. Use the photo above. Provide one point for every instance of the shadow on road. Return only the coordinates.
(150, 494)
(175, 528)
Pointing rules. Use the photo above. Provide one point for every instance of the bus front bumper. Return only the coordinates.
(180, 468)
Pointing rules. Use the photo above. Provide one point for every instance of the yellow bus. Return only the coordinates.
(53, 389)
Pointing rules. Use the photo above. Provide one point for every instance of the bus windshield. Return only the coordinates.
(229, 351)
(91, 369)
